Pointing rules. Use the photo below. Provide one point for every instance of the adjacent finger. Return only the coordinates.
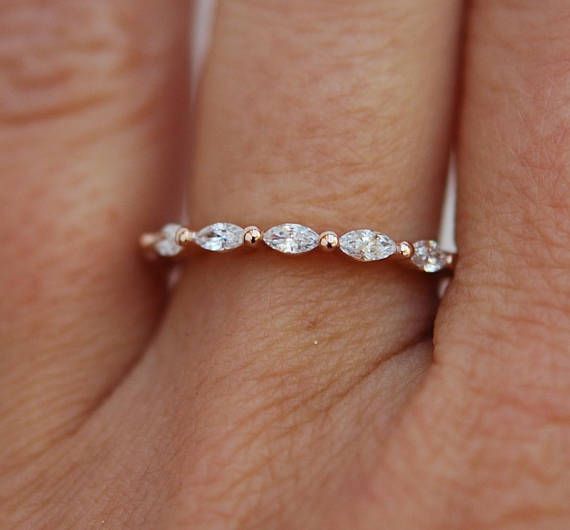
(494, 411)
(91, 100)
(510, 306)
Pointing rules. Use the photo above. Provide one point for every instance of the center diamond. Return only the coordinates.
(291, 238)
(367, 245)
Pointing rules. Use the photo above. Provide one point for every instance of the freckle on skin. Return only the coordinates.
(312, 323)
(112, 216)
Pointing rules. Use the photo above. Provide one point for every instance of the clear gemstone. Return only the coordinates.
(220, 236)
(167, 246)
(291, 238)
(428, 256)
(367, 245)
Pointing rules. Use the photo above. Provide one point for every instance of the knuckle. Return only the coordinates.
(44, 51)
(64, 59)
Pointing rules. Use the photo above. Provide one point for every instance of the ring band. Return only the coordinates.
(364, 244)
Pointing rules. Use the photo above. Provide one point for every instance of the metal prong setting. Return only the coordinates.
(328, 241)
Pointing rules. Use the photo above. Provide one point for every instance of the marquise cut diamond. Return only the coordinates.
(166, 245)
(429, 257)
(367, 245)
(220, 236)
(291, 238)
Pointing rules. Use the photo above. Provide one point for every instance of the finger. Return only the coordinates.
(494, 411)
(335, 116)
(91, 97)
(511, 289)
(503, 334)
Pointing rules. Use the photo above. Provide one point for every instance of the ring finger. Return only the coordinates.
(334, 115)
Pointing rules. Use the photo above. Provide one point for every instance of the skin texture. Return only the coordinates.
(211, 406)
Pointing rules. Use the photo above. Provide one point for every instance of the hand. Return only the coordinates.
(266, 392)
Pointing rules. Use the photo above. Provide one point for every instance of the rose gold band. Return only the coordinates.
(364, 244)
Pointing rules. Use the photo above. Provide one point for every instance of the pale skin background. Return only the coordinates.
(212, 408)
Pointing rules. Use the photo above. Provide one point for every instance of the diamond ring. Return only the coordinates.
(363, 244)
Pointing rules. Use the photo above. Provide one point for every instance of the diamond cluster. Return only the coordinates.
(166, 244)
(429, 257)
(363, 244)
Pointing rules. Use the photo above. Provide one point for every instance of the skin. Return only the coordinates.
(123, 405)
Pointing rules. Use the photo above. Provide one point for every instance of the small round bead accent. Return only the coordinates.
(252, 236)
(328, 241)
(406, 249)
(184, 236)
